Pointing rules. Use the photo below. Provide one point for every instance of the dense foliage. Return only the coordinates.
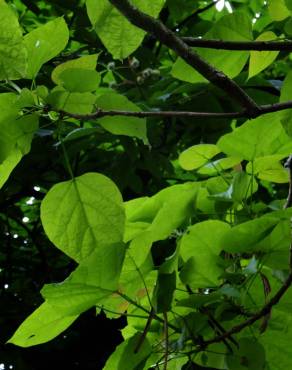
(142, 177)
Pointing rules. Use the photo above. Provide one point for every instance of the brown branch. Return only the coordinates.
(263, 109)
(155, 114)
(238, 45)
(169, 38)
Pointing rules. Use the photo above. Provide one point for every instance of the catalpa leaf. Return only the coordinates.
(119, 36)
(200, 248)
(126, 357)
(232, 27)
(94, 280)
(83, 214)
(260, 60)
(119, 125)
(13, 54)
(19, 132)
(87, 62)
(44, 43)
(42, 325)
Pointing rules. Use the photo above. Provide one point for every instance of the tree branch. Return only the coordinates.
(263, 109)
(238, 45)
(168, 38)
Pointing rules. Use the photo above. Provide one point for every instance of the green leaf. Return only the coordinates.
(76, 103)
(44, 324)
(257, 138)
(232, 27)
(18, 136)
(213, 357)
(197, 155)
(260, 60)
(278, 10)
(87, 62)
(137, 281)
(163, 292)
(157, 210)
(286, 92)
(242, 187)
(269, 168)
(249, 356)
(118, 35)
(288, 3)
(220, 165)
(276, 338)
(44, 43)
(83, 214)
(79, 80)
(126, 358)
(95, 279)
(244, 237)
(200, 248)
(13, 54)
(9, 132)
(119, 125)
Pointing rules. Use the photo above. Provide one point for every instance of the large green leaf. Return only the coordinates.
(87, 62)
(200, 248)
(163, 292)
(260, 60)
(241, 188)
(71, 102)
(165, 212)
(278, 10)
(269, 168)
(119, 125)
(13, 55)
(44, 43)
(250, 355)
(286, 93)
(9, 132)
(245, 236)
(257, 138)
(95, 279)
(288, 4)
(232, 27)
(126, 357)
(275, 340)
(41, 326)
(79, 80)
(83, 214)
(17, 134)
(197, 155)
(118, 35)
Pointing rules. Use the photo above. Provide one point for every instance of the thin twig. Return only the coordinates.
(165, 329)
(145, 331)
(170, 39)
(238, 45)
(263, 109)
